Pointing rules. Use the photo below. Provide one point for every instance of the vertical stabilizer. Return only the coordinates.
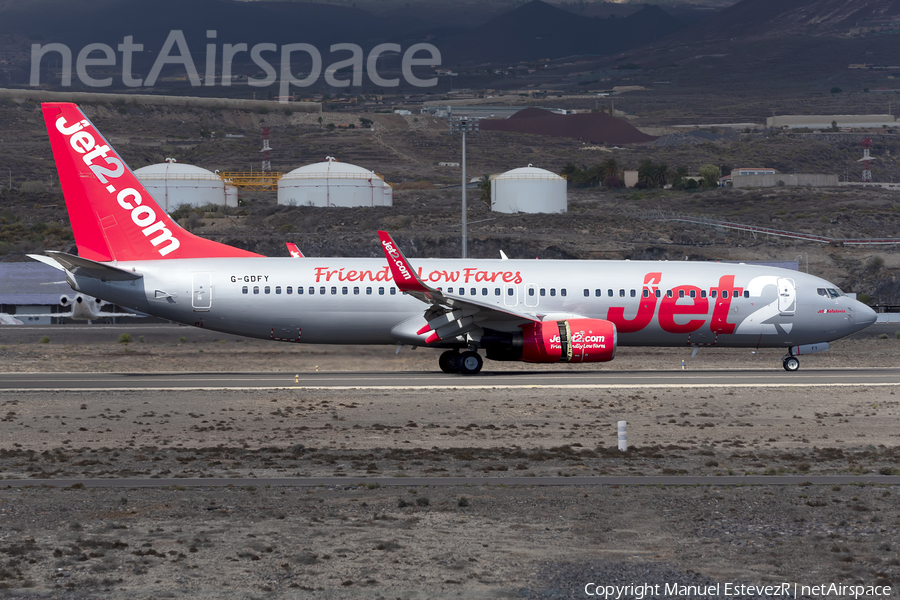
(113, 216)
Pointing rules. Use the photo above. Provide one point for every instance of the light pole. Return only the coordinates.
(463, 125)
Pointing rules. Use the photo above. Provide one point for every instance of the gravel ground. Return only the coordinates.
(357, 540)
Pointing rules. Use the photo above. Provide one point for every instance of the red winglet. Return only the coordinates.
(294, 250)
(404, 275)
(113, 216)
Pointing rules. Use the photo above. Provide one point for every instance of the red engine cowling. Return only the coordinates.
(574, 340)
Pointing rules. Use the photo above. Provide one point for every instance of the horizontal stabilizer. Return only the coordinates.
(89, 268)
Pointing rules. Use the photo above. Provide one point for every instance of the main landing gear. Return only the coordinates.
(466, 363)
(790, 363)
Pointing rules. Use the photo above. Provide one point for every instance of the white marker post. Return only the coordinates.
(623, 436)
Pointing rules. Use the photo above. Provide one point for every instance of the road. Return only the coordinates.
(16, 382)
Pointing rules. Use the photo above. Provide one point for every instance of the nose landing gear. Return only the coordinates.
(790, 363)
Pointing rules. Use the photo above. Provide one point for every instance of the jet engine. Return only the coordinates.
(572, 340)
(83, 307)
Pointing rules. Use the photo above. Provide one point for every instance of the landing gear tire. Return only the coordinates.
(790, 363)
(470, 363)
(449, 361)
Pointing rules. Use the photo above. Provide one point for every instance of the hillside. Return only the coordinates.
(538, 30)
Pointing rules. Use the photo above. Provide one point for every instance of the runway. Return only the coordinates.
(126, 482)
(187, 381)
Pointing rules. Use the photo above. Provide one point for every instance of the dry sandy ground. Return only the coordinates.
(354, 540)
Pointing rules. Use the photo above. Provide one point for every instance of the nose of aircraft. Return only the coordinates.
(863, 316)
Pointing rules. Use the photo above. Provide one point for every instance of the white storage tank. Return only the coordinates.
(333, 183)
(528, 190)
(172, 184)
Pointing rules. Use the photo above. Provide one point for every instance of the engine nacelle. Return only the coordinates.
(572, 340)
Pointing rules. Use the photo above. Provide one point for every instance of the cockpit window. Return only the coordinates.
(822, 292)
(833, 293)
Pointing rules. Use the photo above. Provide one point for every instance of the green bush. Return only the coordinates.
(46, 339)
(124, 338)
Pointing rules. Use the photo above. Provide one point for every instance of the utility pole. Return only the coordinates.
(462, 125)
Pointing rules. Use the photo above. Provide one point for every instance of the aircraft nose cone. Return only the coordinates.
(863, 315)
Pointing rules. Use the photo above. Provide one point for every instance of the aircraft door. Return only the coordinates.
(787, 296)
(510, 295)
(201, 298)
(531, 295)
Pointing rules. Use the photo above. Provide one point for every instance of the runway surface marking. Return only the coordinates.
(455, 481)
(193, 381)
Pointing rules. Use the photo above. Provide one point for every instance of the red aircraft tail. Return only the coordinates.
(113, 216)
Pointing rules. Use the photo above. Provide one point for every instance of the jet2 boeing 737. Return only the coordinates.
(132, 254)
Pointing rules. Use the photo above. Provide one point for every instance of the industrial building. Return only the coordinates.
(528, 190)
(828, 121)
(172, 184)
(333, 183)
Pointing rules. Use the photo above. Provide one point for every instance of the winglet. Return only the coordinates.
(294, 250)
(404, 275)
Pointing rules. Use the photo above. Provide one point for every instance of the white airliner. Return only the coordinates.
(132, 254)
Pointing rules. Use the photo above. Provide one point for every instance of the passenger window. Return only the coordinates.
(449, 290)
(531, 291)
(668, 293)
(255, 289)
(356, 291)
(693, 293)
(393, 291)
(552, 291)
(543, 292)
(368, 291)
(656, 293)
(712, 293)
(646, 293)
(484, 291)
(497, 292)
(277, 289)
(681, 293)
(473, 292)
(736, 294)
(587, 292)
(462, 291)
(609, 293)
(703, 293)
(562, 292)
(381, 291)
(724, 293)
(268, 289)
(746, 293)
(290, 290)
(633, 293)
(334, 291)
(621, 293)
(510, 291)
(598, 293)
(244, 289)
(344, 290)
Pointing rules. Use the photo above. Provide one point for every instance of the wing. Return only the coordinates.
(293, 250)
(450, 318)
